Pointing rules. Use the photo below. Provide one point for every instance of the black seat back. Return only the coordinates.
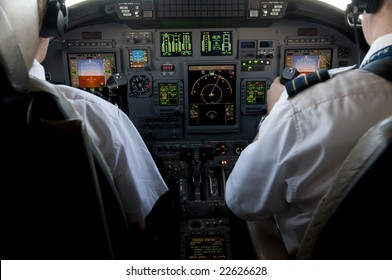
(50, 197)
(351, 220)
(58, 199)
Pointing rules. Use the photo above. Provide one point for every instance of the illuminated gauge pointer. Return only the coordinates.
(140, 85)
(211, 88)
(238, 148)
(212, 114)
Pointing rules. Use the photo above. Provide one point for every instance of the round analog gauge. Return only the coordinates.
(344, 52)
(211, 88)
(222, 149)
(238, 148)
(139, 85)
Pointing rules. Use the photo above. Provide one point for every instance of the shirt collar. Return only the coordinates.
(37, 70)
(377, 45)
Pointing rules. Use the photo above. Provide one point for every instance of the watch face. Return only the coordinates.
(263, 117)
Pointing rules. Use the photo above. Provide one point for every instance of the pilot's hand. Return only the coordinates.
(136, 226)
(273, 94)
(142, 225)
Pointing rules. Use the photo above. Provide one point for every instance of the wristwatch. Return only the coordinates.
(263, 117)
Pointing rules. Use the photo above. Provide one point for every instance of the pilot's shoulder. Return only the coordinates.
(304, 82)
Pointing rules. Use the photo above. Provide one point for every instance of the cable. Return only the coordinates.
(353, 12)
(356, 36)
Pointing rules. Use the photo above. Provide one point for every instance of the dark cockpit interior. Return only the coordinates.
(192, 76)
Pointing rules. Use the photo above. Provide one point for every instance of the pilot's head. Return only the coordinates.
(370, 6)
(376, 17)
(53, 15)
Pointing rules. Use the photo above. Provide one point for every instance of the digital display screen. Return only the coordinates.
(248, 45)
(205, 247)
(266, 44)
(138, 58)
(211, 97)
(167, 68)
(308, 60)
(176, 44)
(168, 94)
(91, 70)
(255, 92)
(216, 43)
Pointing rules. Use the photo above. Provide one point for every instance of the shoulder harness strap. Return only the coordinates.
(381, 67)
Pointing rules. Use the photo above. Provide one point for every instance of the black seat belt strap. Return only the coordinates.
(381, 67)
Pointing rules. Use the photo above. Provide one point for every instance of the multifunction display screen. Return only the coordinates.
(176, 44)
(216, 43)
(205, 247)
(138, 58)
(308, 60)
(255, 92)
(212, 99)
(168, 94)
(91, 70)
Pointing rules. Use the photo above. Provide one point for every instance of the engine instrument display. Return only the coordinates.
(176, 44)
(216, 43)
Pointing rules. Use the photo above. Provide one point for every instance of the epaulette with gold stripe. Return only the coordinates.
(301, 83)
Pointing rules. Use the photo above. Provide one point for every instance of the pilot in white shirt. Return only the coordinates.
(135, 174)
(305, 139)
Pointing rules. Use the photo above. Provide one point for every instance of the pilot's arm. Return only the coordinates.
(274, 93)
(135, 174)
(258, 185)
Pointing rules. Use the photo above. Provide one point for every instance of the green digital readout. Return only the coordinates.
(176, 44)
(255, 92)
(168, 94)
(216, 43)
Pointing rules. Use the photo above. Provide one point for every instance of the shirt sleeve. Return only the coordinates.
(261, 182)
(37, 70)
(135, 174)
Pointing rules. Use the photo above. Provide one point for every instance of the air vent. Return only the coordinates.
(201, 8)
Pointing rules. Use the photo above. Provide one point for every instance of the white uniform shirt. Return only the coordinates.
(301, 145)
(135, 174)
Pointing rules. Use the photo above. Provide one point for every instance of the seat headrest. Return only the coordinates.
(19, 21)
